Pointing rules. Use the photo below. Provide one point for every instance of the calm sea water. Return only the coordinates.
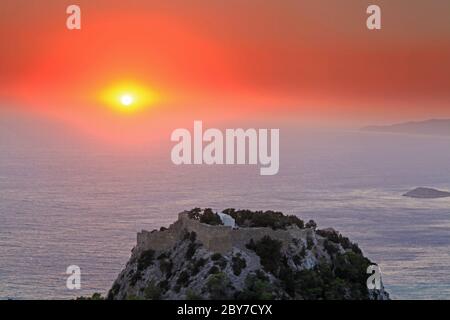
(61, 207)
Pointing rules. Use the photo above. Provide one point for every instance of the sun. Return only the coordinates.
(128, 97)
(126, 100)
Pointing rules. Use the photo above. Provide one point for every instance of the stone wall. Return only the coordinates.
(215, 238)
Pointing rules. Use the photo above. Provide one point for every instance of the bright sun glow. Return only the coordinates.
(129, 97)
(126, 99)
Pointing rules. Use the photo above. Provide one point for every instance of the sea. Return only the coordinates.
(67, 205)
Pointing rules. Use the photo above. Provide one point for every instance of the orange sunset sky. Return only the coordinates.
(305, 60)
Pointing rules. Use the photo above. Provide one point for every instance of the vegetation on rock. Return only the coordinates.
(205, 216)
(269, 219)
(269, 252)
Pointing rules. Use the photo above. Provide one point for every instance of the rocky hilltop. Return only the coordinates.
(258, 255)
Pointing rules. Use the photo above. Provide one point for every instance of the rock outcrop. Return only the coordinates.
(266, 256)
(427, 193)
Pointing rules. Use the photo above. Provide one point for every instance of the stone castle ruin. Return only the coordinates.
(216, 238)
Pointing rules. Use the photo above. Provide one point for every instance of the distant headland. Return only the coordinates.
(434, 127)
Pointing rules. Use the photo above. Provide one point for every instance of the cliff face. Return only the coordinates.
(269, 256)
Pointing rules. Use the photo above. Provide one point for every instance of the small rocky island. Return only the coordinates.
(427, 193)
(254, 255)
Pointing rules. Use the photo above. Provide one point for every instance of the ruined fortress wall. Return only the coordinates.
(215, 238)
(156, 240)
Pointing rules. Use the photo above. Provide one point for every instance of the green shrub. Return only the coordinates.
(206, 216)
(352, 267)
(166, 265)
(346, 280)
(309, 285)
(287, 277)
(145, 260)
(191, 295)
(309, 242)
(152, 292)
(164, 285)
(183, 279)
(216, 256)
(248, 218)
(192, 248)
(269, 252)
(163, 255)
(134, 277)
(213, 270)
(303, 252)
(311, 224)
(269, 219)
(330, 247)
(219, 260)
(197, 265)
(256, 289)
(238, 263)
(191, 236)
(355, 248)
(217, 286)
(113, 292)
(210, 217)
(95, 296)
(194, 213)
(336, 237)
(221, 263)
(337, 289)
(297, 259)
